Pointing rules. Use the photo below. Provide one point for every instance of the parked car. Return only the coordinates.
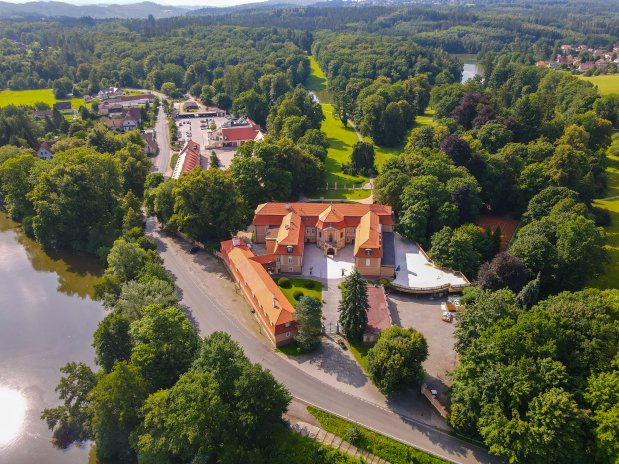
(447, 316)
(342, 344)
(194, 249)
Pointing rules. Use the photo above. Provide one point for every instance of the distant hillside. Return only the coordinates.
(37, 10)
(268, 4)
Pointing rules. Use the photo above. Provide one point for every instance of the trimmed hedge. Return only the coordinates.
(297, 294)
(284, 282)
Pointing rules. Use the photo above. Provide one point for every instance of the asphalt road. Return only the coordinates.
(212, 311)
(161, 163)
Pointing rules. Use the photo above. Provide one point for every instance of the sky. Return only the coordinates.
(192, 3)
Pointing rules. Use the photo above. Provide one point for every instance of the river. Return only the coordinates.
(47, 317)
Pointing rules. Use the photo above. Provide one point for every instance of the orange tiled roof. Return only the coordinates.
(272, 213)
(290, 233)
(367, 235)
(260, 284)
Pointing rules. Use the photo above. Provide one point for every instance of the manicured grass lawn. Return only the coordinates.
(302, 285)
(30, 97)
(610, 279)
(360, 352)
(317, 82)
(606, 83)
(343, 194)
(377, 444)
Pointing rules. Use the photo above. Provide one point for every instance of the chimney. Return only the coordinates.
(236, 241)
(274, 300)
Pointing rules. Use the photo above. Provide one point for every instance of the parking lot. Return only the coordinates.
(193, 128)
(424, 314)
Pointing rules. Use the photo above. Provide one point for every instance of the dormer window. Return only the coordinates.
(368, 252)
(289, 248)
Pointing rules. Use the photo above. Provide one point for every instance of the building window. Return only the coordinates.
(277, 259)
(319, 234)
(368, 252)
(367, 262)
(289, 248)
(287, 334)
(341, 234)
(289, 259)
(287, 324)
(289, 268)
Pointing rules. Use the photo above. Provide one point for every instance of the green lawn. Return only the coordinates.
(360, 352)
(377, 444)
(302, 285)
(606, 83)
(610, 279)
(30, 97)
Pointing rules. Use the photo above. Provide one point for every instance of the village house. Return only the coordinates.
(286, 228)
(586, 66)
(191, 105)
(188, 159)
(234, 133)
(42, 114)
(129, 119)
(44, 150)
(109, 92)
(273, 311)
(151, 148)
(62, 106)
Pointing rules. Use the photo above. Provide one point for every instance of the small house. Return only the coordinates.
(44, 150)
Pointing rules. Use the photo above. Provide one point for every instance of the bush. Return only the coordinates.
(284, 282)
(297, 294)
(309, 284)
(146, 243)
(386, 284)
(353, 435)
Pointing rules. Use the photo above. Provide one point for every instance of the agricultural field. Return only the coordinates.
(606, 83)
(30, 97)
(610, 279)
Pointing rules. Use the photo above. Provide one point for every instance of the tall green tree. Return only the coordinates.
(115, 406)
(308, 314)
(164, 345)
(395, 362)
(112, 342)
(354, 307)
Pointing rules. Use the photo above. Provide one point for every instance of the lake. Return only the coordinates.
(470, 68)
(47, 318)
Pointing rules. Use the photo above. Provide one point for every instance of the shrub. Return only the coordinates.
(309, 284)
(297, 294)
(353, 435)
(284, 282)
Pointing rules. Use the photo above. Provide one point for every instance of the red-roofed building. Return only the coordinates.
(379, 318)
(44, 150)
(287, 228)
(188, 159)
(235, 132)
(272, 309)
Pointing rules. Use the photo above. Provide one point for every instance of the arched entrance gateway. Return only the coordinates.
(330, 252)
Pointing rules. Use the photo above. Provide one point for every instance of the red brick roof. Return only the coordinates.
(45, 145)
(191, 150)
(379, 318)
(240, 134)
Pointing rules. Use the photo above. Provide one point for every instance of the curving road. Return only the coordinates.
(212, 310)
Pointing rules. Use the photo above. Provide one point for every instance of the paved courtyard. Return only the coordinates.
(423, 313)
(327, 267)
(415, 269)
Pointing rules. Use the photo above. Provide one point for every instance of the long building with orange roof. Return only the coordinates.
(273, 311)
(287, 228)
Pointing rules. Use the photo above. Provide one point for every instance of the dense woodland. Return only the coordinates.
(538, 378)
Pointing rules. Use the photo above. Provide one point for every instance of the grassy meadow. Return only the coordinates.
(610, 279)
(606, 83)
(30, 97)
